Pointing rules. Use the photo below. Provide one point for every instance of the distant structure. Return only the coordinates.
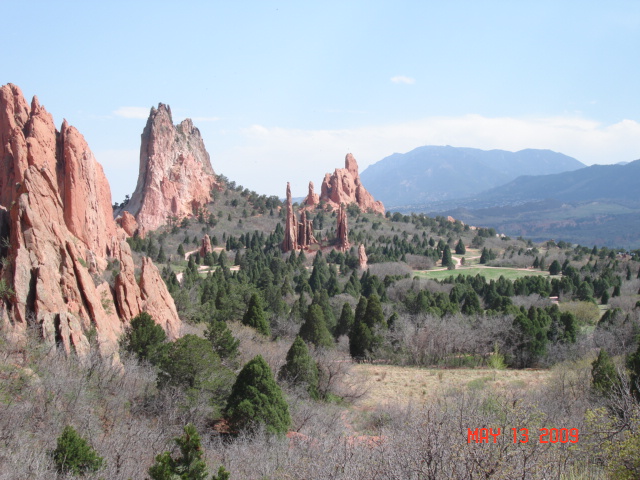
(297, 235)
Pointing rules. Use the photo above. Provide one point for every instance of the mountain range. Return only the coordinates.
(436, 173)
(598, 204)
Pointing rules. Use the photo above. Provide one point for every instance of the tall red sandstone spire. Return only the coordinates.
(342, 229)
(56, 213)
(176, 177)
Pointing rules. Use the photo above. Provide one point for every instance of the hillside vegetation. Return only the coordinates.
(300, 365)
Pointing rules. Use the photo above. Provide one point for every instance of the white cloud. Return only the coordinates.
(265, 158)
(403, 79)
(133, 112)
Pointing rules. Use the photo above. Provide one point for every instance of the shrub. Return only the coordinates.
(256, 399)
(189, 466)
(74, 455)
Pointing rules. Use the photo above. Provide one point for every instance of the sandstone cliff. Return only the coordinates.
(344, 186)
(176, 177)
(57, 220)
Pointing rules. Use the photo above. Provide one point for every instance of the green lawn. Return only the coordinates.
(490, 273)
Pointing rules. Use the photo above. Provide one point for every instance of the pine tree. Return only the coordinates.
(460, 248)
(144, 338)
(222, 340)
(314, 329)
(300, 369)
(162, 257)
(555, 268)
(257, 399)
(181, 251)
(255, 316)
(74, 455)
(604, 378)
(345, 322)
(447, 261)
(633, 363)
(373, 314)
(189, 466)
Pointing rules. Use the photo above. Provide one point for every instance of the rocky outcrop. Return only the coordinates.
(344, 186)
(176, 177)
(62, 238)
(290, 241)
(205, 245)
(128, 223)
(362, 258)
(305, 231)
(297, 235)
(342, 229)
(312, 199)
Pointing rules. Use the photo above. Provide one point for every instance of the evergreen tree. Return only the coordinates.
(373, 314)
(162, 257)
(604, 378)
(256, 399)
(181, 251)
(542, 264)
(345, 322)
(536, 263)
(255, 316)
(333, 287)
(74, 455)
(189, 466)
(605, 297)
(361, 309)
(633, 363)
(555, 268)
(222, 340)
(144, 338)
(460, 248)
(361, 339)
(447, 261)
(191, 365)
(314, 329)
(300, 369)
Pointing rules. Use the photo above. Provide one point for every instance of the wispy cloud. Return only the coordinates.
(263, 154)
(132, 112)
(404, 80)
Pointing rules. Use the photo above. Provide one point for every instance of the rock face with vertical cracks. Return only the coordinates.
(176, 177)
(63, 241)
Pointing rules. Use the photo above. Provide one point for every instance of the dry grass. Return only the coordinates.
(393, 385)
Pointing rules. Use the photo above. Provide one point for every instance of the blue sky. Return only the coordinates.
(282, 90)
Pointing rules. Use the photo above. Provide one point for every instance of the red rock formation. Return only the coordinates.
(344, 186)
(290, 241)
(312, 199)
(342, 229)
(176, 177)
(62, 234)
(296, 234)
(128, 223)
(362, 257)
(205, 246)
(305, 231)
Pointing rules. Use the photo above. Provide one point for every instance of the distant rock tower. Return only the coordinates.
(342, 229)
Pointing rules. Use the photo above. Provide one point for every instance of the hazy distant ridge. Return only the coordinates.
(434, 173)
